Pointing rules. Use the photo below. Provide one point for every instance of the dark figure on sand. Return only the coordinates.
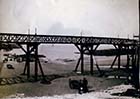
(81, 85)
(80, 88)
(85, 83)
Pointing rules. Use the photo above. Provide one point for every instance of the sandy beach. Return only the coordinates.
(58, 72)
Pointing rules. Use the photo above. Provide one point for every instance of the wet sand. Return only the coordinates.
(59, 86)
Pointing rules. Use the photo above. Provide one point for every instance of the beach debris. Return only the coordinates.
(9, 66)
(81, 85)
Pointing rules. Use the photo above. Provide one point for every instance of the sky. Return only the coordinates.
(110, 18)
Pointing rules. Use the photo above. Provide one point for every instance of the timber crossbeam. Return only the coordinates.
(61, 39)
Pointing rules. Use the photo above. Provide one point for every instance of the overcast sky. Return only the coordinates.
(70, 17)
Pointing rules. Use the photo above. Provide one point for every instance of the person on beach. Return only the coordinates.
(83, 86)
(80, 88)
(85, 83)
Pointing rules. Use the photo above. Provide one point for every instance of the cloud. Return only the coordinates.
(59, 29)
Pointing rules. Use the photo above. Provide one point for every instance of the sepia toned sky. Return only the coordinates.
(71, 17)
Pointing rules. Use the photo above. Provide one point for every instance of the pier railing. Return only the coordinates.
(60, 39)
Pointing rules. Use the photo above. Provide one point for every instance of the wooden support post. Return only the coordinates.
(137, 85)
(25, 68)
(92, 53)
(36, 62)
(91, 64)
(132, 70)
(114, 61)
(82, 59)
(77, 64)
(132, 61)
(101, 72)
(119, 57)
(30, 49)
(28, 61)
(135, 71)
(119, 61)
(128, 61)
(44, 80)
(41, 69)
(78, 59)
(91, 59)
(21, 47)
